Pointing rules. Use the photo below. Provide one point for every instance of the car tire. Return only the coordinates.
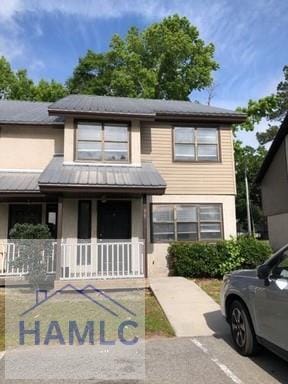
(242, 329)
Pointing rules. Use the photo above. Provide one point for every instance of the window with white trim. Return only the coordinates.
(186, 222)
(196, 144)
(102, 142)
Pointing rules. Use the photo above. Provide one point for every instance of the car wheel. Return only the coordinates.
(242, 329)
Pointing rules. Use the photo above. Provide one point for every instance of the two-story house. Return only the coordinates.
(273, 178)
(116, 179)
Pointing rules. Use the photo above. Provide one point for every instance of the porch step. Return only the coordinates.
(109, 284)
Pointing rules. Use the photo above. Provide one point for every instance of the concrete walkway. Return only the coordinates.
(190, 311)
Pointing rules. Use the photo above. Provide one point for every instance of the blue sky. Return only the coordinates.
(250, 36)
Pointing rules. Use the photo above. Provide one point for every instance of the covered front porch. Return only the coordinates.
(96, 238)
(97, 216)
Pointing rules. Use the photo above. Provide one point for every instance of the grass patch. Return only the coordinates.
(156, 323)
(211, 286)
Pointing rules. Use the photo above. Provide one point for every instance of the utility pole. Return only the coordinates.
(248, 203)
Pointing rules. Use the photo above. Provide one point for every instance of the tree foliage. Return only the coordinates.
(18, 86)
(273, 108)
(167, 60)
(268, 135)
(247, 157)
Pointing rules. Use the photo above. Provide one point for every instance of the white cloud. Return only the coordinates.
(88, 8)
(9, 8)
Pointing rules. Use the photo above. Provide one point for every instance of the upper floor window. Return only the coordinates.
(196, 144)
(102, 142)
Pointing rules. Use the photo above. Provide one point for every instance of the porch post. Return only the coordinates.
(145, 235)
(59, 237)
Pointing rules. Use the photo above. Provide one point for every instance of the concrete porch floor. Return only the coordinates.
(108, 284)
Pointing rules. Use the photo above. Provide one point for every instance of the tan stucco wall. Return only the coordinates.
(137, 219)
(23, 147)
(3, 221)
(70, 219)
(186, 177)
(157, 253)
(69, 133)
(278, 230)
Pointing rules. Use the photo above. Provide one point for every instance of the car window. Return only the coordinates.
(281, 270)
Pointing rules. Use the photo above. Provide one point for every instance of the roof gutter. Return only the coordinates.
(135, 190)
(57, 112)
(231, 118)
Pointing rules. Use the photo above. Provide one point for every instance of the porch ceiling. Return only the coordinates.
(101, 178)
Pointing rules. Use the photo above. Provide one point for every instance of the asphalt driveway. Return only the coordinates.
(189, 360)
(204, 353)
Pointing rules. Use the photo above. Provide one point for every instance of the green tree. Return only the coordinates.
(7, 78)
(18, 86)
(268, 135)
(49, 91)
(247, 157)
(273, 108)
(167, 60)
(23, 87)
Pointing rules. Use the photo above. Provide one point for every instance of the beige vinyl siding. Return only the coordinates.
(29, 147)
(189, 177)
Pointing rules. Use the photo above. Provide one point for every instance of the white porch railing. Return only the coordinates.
(9, 252)
(101, 260)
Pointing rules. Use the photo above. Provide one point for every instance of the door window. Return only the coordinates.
(281, 270)
(51, 219)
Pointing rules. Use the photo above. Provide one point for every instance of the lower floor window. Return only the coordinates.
(186, 222)
(24, 214)
(32, 214)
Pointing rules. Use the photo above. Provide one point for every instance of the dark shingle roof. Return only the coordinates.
(26, 112)
(138, 107)
(102, 177)
(282, 133)
(19, 182)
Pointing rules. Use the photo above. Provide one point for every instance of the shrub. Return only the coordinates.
(254, 251)
(30, 231)
(214, 260)
(33, 248)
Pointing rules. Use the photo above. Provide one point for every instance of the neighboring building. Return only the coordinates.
(117, 179)
(273, 177)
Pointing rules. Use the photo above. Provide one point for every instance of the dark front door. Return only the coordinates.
(114, 220)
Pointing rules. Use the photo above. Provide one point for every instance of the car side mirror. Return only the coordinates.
(263, 271)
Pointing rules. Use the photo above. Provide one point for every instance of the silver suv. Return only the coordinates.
(255, 304)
